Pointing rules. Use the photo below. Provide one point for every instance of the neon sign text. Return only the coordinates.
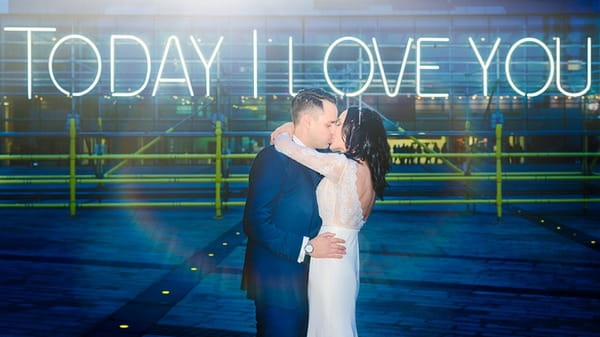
(423, 67)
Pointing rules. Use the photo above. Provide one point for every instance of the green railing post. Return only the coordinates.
(499, 170)
(585, 160)
(218, 173)
(72, 162)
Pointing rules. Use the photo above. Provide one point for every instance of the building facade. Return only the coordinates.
(125, 67)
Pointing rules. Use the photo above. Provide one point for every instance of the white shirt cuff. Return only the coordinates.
(302, 251)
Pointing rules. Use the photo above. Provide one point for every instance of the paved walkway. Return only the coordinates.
(176, 272)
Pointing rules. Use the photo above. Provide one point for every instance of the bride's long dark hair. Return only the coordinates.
(366, 139)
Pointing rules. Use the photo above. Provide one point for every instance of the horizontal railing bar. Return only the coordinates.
(481, 201)
(242, 203)
(245, 175)
(252, 155)
(268, 133)
(492, 177)
(34, 156)
(147, 156)
(149, 204)
(105, 181)
(35, 205)
(172, 179)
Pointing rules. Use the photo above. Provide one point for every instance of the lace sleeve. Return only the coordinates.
(330, 165)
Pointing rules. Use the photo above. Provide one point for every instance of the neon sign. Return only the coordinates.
(51, 62)
(484, 65)
(509, 58)
(371, 66)
(173, 44)
(139, 41)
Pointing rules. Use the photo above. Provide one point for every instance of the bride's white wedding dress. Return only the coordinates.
(333, 283)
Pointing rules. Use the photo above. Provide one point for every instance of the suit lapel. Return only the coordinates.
(316, 177)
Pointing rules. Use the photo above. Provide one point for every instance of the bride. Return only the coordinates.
(353, 178)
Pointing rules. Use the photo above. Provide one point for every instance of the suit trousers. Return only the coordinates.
(274, 321)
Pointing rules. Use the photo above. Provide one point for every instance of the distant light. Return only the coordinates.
(124, 326)
(165, 292)
(593, 242)
(482, 39)
(269, 40)
(557, 228)
(574, 65)
(542, 221)
(211, 254)
(237, 233)
(224, 243)
(193, 268)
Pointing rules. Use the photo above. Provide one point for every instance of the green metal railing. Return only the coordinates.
(218, 179)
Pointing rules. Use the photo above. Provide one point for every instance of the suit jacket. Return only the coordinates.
(281, 208)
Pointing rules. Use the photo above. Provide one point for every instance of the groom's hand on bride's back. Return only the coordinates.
(326, 245)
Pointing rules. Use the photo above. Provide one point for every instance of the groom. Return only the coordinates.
(282, 221)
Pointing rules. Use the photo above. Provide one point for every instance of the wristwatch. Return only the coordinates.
(308, 249)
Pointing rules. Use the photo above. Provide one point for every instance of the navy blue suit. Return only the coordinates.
(280, 210)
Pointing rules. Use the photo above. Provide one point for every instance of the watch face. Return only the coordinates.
(309, 248)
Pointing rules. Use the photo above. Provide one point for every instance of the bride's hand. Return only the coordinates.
(284, 128)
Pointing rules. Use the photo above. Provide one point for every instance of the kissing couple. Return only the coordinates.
(303, 214)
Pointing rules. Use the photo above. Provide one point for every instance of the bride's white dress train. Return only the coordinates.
(333, 283)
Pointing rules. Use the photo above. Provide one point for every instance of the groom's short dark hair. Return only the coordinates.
(307, 99)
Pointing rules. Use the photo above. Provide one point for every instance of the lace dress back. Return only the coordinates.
(338, 201)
